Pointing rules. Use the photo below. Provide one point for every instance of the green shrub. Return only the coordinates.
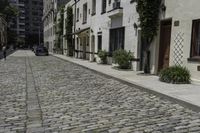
(122, 58)
(103, 56)
(175, 75)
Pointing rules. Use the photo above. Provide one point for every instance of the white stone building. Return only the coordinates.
(48, 23)
(104, 25)
(113, 24)
(50, 13)
(178, 40)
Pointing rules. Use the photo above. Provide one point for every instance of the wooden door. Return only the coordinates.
(84, 47)
(165, 39)
(93, 44)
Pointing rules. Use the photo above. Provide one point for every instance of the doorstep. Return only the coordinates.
(187, 95)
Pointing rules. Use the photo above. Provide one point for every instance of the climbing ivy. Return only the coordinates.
(69, 25)
(148, 11)
(59, 30)
(61, 22)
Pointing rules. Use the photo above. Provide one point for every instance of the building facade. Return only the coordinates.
(18, 23)
(3, 32)
(48, 23)
(178, 42)
(113, 24)
(50, 13)
(104, 25)
(34, 25)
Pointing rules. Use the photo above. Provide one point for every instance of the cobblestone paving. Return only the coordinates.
(13, 95)
(75, 100)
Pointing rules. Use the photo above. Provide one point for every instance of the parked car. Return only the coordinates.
(41, 51)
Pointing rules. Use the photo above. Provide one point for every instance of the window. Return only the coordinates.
(77, 16)
(93, 7)
(99, 42)
(85, 13)
(34, 13)
(103, 6)
(195, 44)
(109, 2)
(34, 2)
(116, 39)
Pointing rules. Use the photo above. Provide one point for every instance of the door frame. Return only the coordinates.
(117, 32)
(164, 22)
(99, 42)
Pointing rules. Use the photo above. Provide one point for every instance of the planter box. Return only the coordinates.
(98, 60)
(109, 60)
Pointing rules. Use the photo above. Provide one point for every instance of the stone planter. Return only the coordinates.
(109, 60)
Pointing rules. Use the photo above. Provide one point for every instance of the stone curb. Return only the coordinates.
(141, 87)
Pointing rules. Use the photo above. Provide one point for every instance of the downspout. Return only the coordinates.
(74, 26)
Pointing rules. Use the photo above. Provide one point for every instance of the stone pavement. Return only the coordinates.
(187, 95)
(33, 112)
(13, 95)
(72, 99)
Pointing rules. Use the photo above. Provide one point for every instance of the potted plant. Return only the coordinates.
(103, 56)
(122, 58)
(175, 75)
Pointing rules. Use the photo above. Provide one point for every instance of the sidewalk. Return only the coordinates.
(186, 95)
(8, 52)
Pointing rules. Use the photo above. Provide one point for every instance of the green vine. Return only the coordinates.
(148, 11)
(59, 30)
(69, 25)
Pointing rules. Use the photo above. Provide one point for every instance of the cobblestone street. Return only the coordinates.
(49, 95)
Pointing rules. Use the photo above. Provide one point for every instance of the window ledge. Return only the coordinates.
(84, 22)
(103, 12)
(194, 59)
(132, 1)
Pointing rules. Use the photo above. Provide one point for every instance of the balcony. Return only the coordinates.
(116, 11)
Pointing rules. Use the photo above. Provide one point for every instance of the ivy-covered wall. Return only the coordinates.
(59, 30)
(69, 25)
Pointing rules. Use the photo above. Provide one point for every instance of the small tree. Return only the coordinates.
(103, 56)
(149, 11)
(69, 25)
(9, 12)
(123, 58)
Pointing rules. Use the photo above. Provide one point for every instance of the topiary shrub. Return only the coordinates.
(103, 56)
(122, 58)
(175, 75)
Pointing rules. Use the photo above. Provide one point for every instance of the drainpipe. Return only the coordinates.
(39, 36)
(74, 26)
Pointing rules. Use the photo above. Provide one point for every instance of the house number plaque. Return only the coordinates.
(176, 23)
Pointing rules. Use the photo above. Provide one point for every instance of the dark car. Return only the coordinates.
(41, 51)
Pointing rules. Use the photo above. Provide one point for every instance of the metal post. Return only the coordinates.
(39, 35)
(74, 26)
